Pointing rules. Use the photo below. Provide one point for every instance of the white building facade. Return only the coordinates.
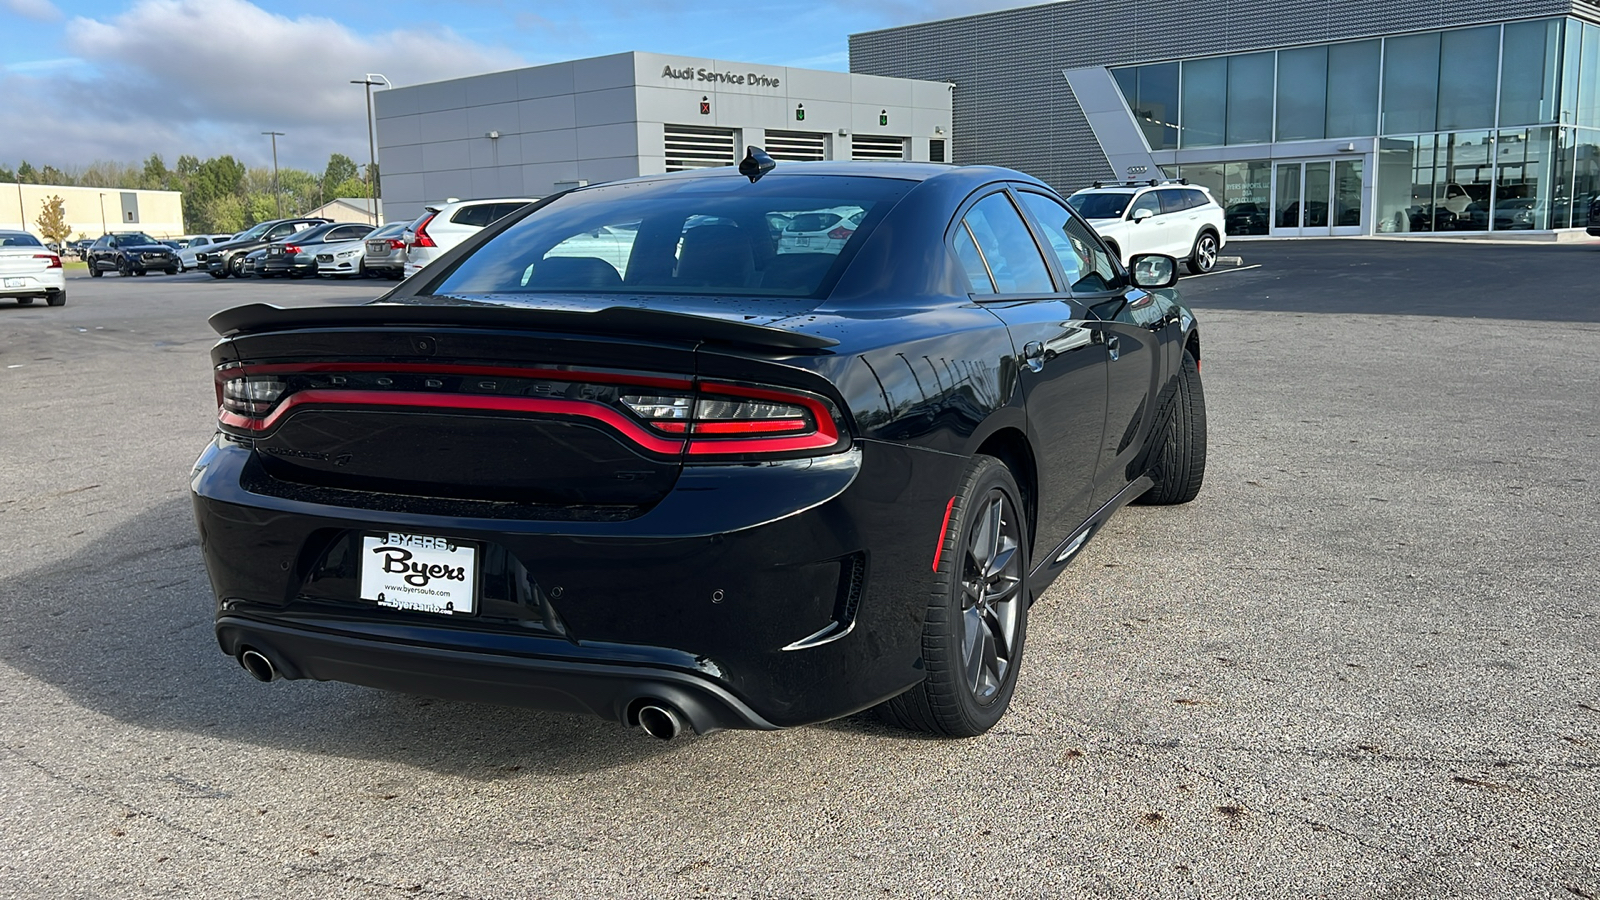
(532, 132)
(91, 212)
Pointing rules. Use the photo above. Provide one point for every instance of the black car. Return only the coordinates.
(1593, 228)
(130, 253)
(297, 256)
(691, 480)
(223, 260)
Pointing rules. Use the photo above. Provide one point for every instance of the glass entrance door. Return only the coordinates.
(1317, 198)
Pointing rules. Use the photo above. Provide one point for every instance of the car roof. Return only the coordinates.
(956, 177)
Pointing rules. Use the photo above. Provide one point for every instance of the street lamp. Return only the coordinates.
(276, 194)
(372, 142)
(103, 228)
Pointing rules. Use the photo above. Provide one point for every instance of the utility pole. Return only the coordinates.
(276, 194)
(103, 228)
(372, 142)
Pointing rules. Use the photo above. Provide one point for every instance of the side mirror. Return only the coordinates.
(1142, 214)
(1153, 270)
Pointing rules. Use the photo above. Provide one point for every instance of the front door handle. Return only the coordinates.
(1112, 344)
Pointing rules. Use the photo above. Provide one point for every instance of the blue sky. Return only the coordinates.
(121, 79)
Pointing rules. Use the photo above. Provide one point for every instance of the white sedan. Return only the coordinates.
(29, 269)
(343, 259)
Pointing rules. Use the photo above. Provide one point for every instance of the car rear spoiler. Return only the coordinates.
(633, 321)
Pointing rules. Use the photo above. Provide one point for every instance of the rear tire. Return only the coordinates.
(24, 301)
(1203, 258)
(94, 270)
(59, 298)
(977, 616)
(1180, 461)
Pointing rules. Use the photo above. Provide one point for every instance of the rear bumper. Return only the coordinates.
(32, 284)
(749, 596)
(609, 691)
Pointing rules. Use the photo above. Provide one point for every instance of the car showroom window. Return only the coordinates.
(1008, 247)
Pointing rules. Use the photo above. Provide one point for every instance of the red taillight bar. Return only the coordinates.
(704, 438)
(55, 261)
(423, 240)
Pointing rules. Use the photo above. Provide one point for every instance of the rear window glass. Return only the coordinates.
(1099, 206)
(475, 216)
(19, 240)
(709, 235)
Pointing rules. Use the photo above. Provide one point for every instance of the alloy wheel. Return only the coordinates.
(991, 597)
(1206, 252)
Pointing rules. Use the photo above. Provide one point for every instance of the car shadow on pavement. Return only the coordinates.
(129, 635)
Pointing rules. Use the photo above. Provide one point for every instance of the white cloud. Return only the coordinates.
(207, 76)
(37, 10)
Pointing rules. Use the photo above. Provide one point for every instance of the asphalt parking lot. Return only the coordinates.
(1363, 663)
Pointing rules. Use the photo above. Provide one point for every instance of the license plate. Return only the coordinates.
(378, 247)
(420, 572)
(275, 251)
(13, 282)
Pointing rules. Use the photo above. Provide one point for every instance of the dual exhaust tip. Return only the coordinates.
(657, 719)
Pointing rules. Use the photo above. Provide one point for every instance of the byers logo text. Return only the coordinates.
(397, 560)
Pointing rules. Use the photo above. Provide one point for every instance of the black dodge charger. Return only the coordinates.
(640, 452)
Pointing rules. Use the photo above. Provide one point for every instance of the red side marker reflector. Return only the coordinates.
(943, 528)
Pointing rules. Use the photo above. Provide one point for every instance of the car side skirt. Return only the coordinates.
(1051, 564)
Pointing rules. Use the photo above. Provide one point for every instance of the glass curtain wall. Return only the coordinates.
(1487, 128)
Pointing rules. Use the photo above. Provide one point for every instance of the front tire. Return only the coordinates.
(1203, 258)
(1180, 462)
(236, 267)
(977, 616)
(94, 270)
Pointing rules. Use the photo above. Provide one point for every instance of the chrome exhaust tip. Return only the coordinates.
(659, 721)
(256, 663)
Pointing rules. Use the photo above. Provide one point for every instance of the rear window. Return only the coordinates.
(1099, 206)
(711, 235)
(19, 240)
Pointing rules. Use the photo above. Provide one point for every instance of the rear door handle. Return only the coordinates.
(1111, 342)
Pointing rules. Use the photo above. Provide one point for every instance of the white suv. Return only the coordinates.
(1173, 217)
(447, 224)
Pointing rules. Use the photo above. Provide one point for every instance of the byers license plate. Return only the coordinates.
(421, 572)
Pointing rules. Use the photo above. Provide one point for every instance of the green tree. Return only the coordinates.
(7, 175)
(213, 180)
(223, 214)
(156, 177)
(188, 166)
(53, 175)
(374, 178)
(26, 173)
(52, 220)
(353, 188)
(340, 169)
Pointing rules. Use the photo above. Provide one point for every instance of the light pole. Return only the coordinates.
(372, 142)
(103, 228)
(276, 194)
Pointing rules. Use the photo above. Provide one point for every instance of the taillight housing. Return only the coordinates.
(55, 261)
(841, 233)
(737, 420)
(250, 397)
(396, 244)
(423, 240)
(291, 248)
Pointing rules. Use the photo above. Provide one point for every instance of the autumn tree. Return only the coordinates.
(52, 220)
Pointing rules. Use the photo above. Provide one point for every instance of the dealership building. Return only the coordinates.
(531, 132)
(1303, 118)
